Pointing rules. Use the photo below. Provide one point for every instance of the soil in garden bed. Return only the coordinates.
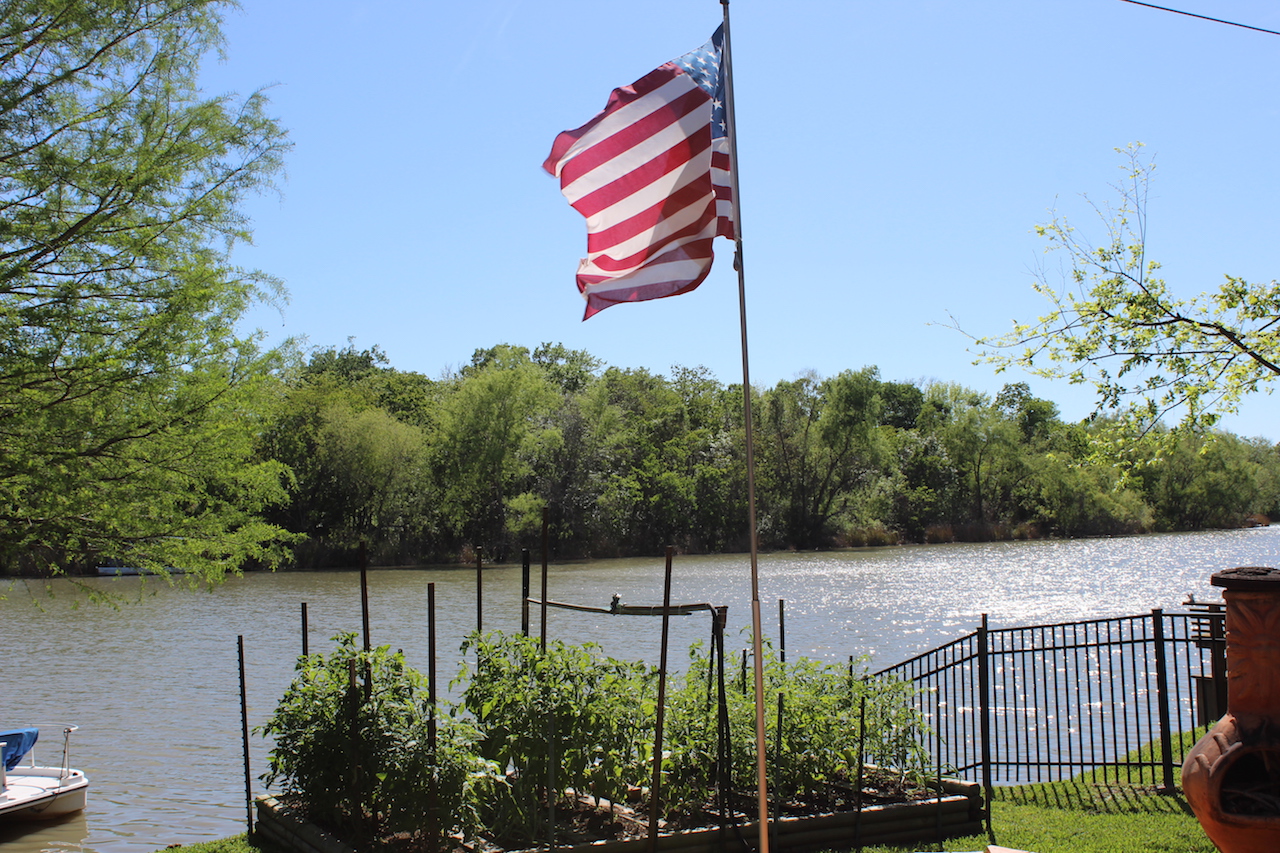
(582, 820)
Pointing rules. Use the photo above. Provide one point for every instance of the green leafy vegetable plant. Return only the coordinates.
(352, 744)
(827, 728)
(560, 719)
(539, 729)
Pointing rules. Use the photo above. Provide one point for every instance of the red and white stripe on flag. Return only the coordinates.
(651, 176)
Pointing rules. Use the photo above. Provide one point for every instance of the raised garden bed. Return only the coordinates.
(360, 748)
(958, 812)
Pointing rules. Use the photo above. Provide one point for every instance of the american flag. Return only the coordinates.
(651, 175)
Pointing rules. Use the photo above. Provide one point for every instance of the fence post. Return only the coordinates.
(984, 725)
(1162, 697)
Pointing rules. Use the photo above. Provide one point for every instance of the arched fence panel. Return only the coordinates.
(1048, 702)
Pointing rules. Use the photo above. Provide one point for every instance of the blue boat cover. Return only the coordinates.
(17, 743)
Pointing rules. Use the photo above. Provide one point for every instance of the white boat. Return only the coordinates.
(29, 792)
(119, 571)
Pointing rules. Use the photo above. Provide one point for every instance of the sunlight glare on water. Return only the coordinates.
(154, 686)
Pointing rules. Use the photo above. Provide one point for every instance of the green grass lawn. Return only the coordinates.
(1083, 817)
(235, 844)
(1091, 813)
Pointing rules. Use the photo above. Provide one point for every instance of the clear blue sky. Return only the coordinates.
(894, 160)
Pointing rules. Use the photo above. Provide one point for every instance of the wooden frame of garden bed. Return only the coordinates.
(958, 812)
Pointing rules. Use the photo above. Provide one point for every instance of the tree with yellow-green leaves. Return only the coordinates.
(128, 402)
(1147, 351)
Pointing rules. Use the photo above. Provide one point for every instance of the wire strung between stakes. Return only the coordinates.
(616, 608)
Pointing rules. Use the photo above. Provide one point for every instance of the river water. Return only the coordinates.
(152, 679)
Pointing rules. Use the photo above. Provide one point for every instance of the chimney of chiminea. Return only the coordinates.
(1231, 777)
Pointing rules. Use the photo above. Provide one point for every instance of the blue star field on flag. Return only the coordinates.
(703, 65)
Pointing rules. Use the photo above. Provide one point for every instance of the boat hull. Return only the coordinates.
(42, 793)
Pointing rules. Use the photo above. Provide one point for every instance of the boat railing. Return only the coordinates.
(66, 749)
(65, 768)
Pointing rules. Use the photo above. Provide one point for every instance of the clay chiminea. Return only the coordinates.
(1231, 777)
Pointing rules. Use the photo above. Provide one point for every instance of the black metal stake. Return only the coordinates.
(431, 662)
(364, 594)
(551, 782)
(433, 828)
(722, 723)
(304, 628)
(937, 767)
(479, 591)
(655, 793)
(711, 659)
(777, 746)
(545, 523)
(782, 630)
(862, 758)
(524, 591)
(364, 621)
(244, 732)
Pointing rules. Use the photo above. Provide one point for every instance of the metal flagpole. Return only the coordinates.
(762, 786)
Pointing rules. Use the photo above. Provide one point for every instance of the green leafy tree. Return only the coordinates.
(1114, 323)
(981, 443)
(816, 444)
(670, 470)
(715, 462)
(127, 401)
(1206, 482)
(638, 504)
(351, 432)
(566, 479)
(923, 486)
(571, 370)
(573, 475)
(347, 365)
(377, 465)
(1076, 496)
(407, 396)
(292, 438)
(491, 430)
(901, 403)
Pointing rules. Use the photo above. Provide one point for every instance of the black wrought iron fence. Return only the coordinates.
(1047, 702)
